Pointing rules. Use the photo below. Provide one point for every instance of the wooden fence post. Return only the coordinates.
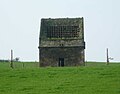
(107, 57)
(11, 63)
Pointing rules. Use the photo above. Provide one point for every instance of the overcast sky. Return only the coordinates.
(20, 26)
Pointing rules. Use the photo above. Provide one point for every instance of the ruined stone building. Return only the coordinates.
(61, 42)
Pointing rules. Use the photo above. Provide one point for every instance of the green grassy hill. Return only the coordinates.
(94, 78)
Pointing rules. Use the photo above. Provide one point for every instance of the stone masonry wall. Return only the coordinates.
(72, 56)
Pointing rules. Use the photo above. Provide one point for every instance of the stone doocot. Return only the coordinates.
(61, 42)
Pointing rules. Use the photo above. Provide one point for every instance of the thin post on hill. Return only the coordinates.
(11, 62)
(107, 57)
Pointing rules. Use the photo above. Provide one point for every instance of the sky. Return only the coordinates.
(20, 26)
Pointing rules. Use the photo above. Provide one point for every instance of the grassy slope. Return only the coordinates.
(95, 78)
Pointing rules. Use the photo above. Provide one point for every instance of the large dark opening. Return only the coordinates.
(61, 62)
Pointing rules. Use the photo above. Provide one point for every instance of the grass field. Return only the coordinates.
(94, 78)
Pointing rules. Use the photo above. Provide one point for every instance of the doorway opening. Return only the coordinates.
(61, 62)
